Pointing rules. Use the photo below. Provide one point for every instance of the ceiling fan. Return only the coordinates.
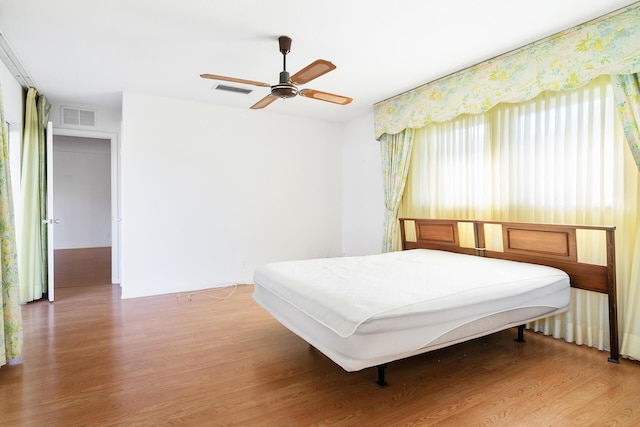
(288, 85)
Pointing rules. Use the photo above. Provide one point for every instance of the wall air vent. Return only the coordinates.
(233, 89)
(78, 117)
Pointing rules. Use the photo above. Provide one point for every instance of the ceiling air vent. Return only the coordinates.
(234, 89)
(78, 117)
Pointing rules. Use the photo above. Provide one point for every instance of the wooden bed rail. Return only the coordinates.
(536, 243)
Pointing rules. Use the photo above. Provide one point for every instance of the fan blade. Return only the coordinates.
(325, 96)
(312, 71)
(233, 79)
(264, 102)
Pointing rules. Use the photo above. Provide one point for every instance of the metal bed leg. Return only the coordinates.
(381, 382)
(520, 337)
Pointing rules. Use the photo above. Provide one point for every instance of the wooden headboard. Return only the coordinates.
(547, 244)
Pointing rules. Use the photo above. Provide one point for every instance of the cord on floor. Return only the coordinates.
(208, 293)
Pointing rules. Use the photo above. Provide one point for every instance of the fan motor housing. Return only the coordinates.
(284, 90)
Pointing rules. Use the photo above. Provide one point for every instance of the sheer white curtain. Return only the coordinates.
(558, 158)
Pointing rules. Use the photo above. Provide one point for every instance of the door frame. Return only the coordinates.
(50, 215)
(115, 189)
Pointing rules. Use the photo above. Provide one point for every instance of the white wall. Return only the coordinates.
(82, 192)
(362, 190)
(12, 95)
(209, 193)
(239, 197)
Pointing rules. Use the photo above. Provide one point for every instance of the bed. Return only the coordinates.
(368, 311)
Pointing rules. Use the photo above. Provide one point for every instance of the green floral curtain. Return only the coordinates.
(33, 247)
(396, 153)
(11, 318)
(568, 60)
(626, 88)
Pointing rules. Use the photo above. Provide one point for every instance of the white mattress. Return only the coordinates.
(364, 311)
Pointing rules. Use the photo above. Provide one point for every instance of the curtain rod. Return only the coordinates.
(13, 63)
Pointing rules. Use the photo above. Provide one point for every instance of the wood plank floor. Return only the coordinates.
(82, 267)
(91, 359)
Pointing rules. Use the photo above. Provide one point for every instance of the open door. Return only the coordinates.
(115, 200)
(50, 214)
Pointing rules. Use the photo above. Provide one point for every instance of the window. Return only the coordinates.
(541, 160)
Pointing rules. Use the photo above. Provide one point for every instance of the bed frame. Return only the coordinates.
(552, 245)
(546, 244)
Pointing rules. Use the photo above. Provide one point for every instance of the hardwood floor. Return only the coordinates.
(82, 267)
(91, 359)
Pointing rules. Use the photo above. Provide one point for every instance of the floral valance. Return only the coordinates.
(568, 60)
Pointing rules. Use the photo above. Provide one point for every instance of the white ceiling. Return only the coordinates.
(87, 52)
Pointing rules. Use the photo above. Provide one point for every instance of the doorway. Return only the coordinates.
(85, 205)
